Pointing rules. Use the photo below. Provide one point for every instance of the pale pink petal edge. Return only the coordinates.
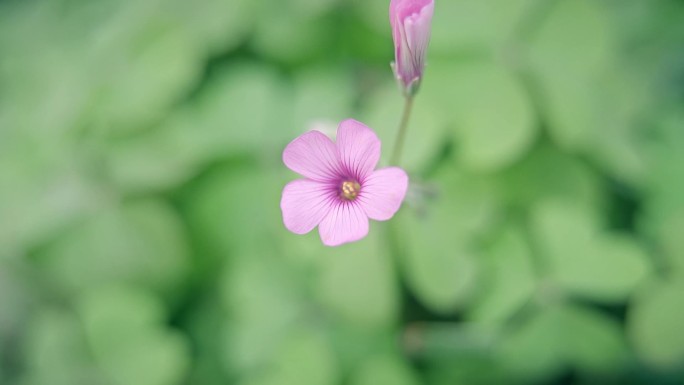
(313, 155)
(345, 223)
(359, 148)
(304, 204)
(383, 193)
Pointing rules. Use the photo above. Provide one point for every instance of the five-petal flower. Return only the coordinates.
(341, 189)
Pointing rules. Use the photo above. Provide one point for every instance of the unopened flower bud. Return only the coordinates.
(411, 22)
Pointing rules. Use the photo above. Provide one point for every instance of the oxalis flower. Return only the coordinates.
(341, 189)
(411, 22)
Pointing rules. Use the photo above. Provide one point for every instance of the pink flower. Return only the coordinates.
(341, 189)
(411, 23)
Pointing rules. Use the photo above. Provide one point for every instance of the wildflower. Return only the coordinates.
(411, 22)
(341, 189)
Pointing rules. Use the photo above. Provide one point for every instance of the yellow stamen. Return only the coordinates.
(350, 190)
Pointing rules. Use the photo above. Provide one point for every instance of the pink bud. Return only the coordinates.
(411, 22)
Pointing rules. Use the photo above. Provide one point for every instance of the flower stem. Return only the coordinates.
(401, 134)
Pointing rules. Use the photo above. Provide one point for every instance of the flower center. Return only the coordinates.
(350, 190)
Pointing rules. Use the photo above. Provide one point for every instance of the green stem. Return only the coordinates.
(401, 134)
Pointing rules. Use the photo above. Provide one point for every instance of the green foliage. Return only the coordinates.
(569, 53)
(563, 336)
(437, 242)
(581, 259)
(360, 277)
(125, 331)
(55, 351)
(508, 281)
(382, 110)
(384, 370)
(483, 101)
(655, 323)
(141, 241)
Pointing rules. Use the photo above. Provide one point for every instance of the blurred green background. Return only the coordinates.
(141, 241)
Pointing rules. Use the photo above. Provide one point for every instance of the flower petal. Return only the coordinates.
(305, 203)
(417, 28)
(401, 9)
(346, 222)
(382, 193)
(411, 24)
(314, 156)
(359, 148)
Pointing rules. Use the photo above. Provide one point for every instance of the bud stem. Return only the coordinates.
(401, 134)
